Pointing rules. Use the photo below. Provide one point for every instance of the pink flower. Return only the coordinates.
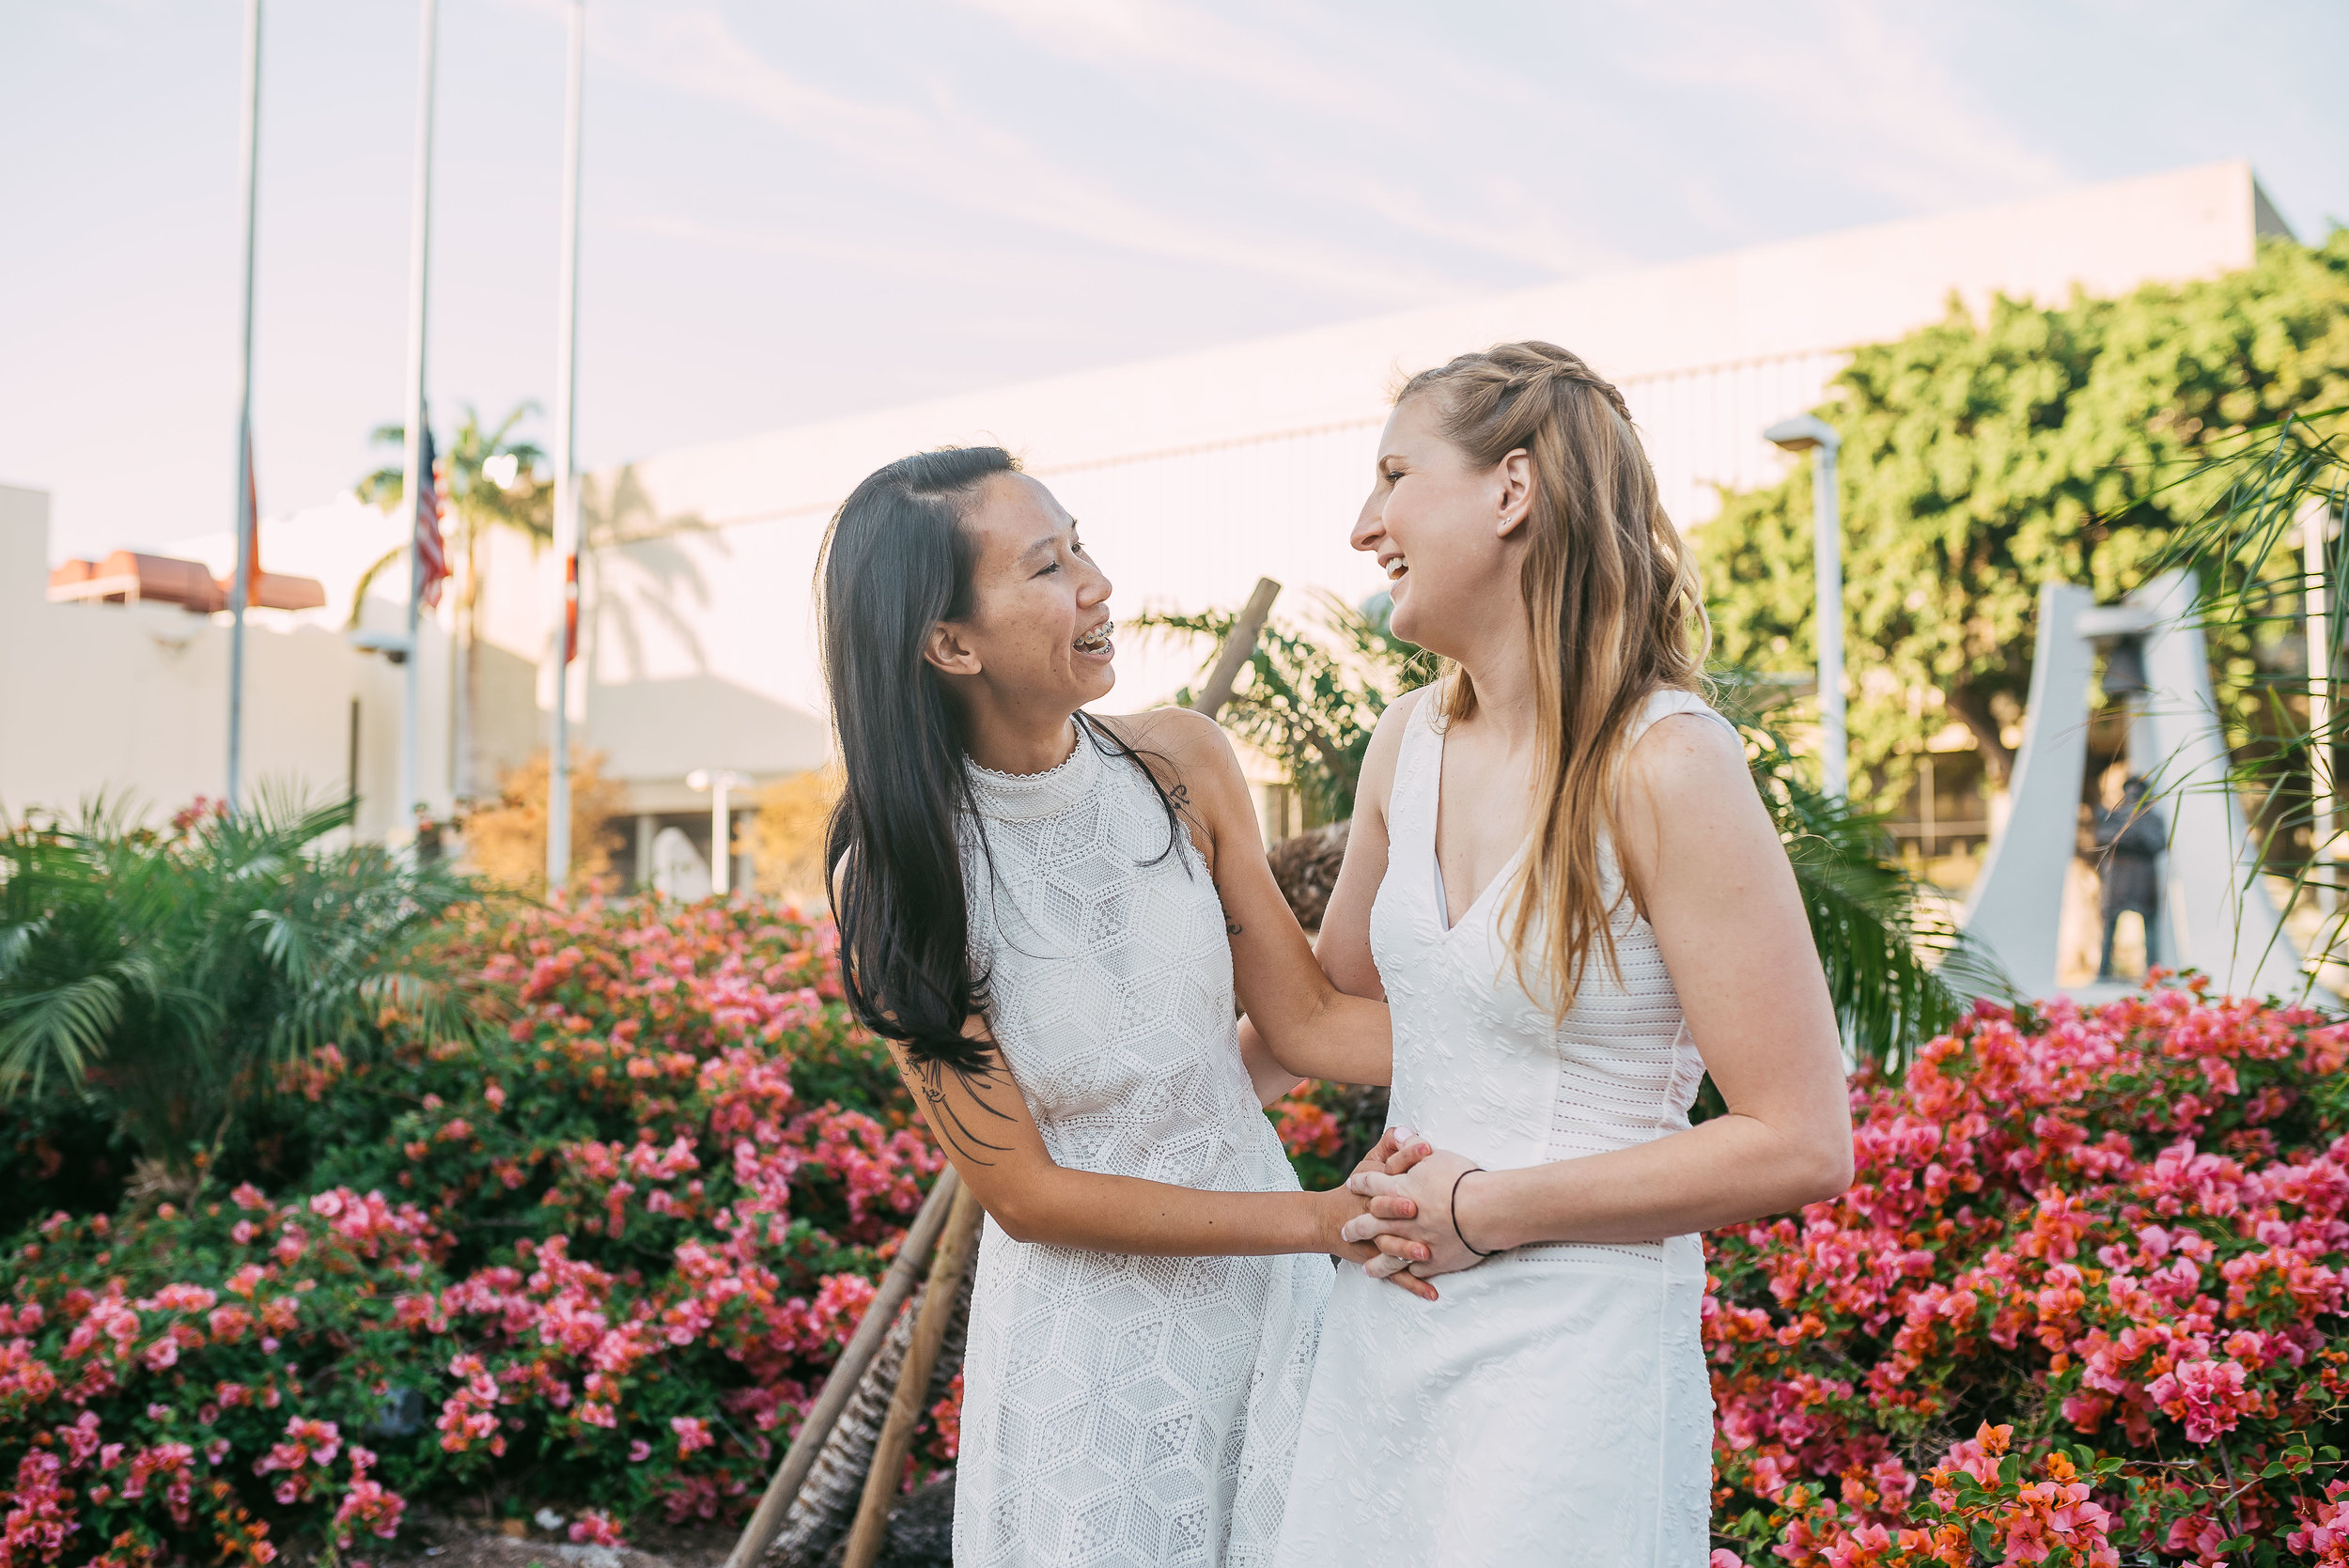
(692, 1433)
(2207, 1398)
(595, 1528)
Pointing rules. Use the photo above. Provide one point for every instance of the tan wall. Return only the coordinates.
(132, 700)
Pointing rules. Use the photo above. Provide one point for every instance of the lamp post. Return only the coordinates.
(719, 781)
(1811, 434)
(248, 518)
(414, 477)
(564, 639)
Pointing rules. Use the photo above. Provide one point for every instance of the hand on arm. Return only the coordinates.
(1717, 890)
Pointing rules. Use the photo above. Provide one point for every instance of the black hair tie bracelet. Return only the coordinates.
(1464, 1175)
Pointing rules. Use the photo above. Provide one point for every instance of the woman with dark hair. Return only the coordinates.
(1047, 914)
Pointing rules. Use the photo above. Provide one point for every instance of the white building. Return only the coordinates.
(1194, 476)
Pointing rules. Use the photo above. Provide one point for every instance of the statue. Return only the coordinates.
(2130, 838)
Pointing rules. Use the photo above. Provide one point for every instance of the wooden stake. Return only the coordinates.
(905, 1411)
(1237, 648)
(921, 1241)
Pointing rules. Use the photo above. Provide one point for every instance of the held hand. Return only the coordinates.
(1395, 1152)
(1410, 1218)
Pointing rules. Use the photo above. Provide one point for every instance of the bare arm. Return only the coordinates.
(1265, 1076)
(985, 1128)
(1307, 1025)
(1721, 897)
(1343, 949)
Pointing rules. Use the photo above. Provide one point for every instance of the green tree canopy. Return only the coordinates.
(1984, 457)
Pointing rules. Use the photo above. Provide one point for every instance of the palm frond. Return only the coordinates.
(193, 961)
(62, 1029)
(1898, 972)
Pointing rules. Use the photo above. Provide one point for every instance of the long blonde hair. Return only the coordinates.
(1611, 603)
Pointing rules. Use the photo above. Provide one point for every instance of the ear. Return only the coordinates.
(947, 652)
(1516, 472)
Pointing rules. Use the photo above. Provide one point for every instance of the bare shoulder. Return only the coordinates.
(1191, 758)
(1386, 736)
(1399, 713)
(1181, 747)
(1386, 743)
(1686, 762)
(1179, 733)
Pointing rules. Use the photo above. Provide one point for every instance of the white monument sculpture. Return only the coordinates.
(678, 870)
(2216, 915)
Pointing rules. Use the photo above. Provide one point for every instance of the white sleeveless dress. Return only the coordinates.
(1553, 1407)
(1127, 1411)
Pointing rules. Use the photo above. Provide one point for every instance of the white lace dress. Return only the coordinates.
(1121, 1410)
(1553, 1407)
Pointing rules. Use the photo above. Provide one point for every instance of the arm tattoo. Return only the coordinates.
(1233, 927)
(943, 1115)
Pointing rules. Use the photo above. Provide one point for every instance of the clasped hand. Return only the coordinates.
(1410, 1186)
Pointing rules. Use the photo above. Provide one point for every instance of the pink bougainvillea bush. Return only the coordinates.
(2082, 1305)
(600, 1264)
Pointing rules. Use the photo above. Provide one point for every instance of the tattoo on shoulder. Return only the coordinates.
(1180, 795)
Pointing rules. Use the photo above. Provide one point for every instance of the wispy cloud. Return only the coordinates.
(906, 260)
(1164, 35)
(950, 154)
(1866, 87)
(1487, 212)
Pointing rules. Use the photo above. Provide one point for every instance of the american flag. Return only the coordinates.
(431, 553)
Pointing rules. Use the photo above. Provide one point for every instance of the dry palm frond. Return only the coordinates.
(827, 1499)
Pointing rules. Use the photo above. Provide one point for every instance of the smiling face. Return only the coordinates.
(1447, 533)
(1038, 637)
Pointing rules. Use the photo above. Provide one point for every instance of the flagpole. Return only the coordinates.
(565, 474)
(248, 509)
(419, 263)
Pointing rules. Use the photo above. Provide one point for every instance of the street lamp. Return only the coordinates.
(1810, 433)
(718, 781)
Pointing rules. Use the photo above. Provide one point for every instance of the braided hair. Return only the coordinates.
(1611, 600)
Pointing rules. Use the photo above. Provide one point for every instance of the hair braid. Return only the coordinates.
(1612, 607)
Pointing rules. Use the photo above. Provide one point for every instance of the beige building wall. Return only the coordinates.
(130, 702)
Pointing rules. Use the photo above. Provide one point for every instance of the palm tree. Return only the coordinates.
(166, 974)
(489, 480)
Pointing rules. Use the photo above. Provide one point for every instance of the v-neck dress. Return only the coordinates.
(1553, 1407)
(1122, 1412)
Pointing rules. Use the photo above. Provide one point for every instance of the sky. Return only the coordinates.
(794, 211)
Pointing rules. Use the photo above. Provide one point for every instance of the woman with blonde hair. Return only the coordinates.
(1562, 880)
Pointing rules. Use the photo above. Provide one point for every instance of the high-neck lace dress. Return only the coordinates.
(1553, 1407)
(1122, 1410)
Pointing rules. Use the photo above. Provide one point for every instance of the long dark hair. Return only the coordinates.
(896, 561)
